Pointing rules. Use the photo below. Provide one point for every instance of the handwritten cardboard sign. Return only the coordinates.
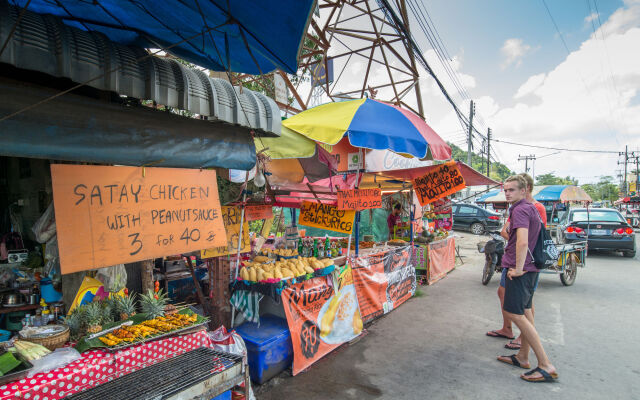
(359, 199)
(441, 181)
(254, 213)
(113, 215)
(231, 217)
(327, 217)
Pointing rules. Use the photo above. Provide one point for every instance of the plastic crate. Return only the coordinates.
(269, 348)
(223, 396)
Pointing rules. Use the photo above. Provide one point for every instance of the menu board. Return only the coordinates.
(113, 215)
(441, 181)
(359, 199)
(325, 216)
(231, 217)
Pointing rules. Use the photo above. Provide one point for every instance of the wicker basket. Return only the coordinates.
(51, 342)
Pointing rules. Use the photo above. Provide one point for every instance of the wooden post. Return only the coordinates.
(201, 299)
(147, 275)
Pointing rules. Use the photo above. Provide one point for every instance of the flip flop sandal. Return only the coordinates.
(512, 346)
(499, 335)
(546, 377)
(512, 360)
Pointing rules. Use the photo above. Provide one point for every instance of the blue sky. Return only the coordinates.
(478, 29)
(529, 90)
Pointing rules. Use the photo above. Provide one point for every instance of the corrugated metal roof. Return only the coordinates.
(45, 44)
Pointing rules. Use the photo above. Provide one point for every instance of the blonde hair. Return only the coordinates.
(522, 183)
(529, 181)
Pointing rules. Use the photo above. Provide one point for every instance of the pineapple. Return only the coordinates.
(107, 308)
(152, 304)
(76, 323)
(126, 306)
(94, 313)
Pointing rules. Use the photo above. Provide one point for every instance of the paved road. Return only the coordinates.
(434, 346)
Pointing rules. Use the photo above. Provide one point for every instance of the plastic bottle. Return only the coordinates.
(315, 248)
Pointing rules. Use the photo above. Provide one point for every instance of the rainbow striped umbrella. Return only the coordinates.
(371, 124)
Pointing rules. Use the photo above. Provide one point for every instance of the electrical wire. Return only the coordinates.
(556, 148)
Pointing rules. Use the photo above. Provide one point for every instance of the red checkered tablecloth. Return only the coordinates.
(99, 366)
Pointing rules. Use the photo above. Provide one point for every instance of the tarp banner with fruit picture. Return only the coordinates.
(319, 318)
(383, 281)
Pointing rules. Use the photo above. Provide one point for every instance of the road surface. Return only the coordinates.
(434, 346)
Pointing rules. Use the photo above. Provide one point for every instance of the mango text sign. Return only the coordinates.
(441, 181)
(113, 215)
(327, 217)
(359, 199)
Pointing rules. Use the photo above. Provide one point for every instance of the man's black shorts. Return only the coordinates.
(518, 292)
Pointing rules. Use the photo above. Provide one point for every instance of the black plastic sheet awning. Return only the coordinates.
(80, 128)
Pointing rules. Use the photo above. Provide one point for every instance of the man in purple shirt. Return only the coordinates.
(524, 229)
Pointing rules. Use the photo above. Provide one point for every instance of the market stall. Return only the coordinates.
(84, 248)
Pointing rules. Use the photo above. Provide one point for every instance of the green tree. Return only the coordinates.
(605, 189)
(552, 179)
(499, 171)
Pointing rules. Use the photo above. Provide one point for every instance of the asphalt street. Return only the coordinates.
(434, 346)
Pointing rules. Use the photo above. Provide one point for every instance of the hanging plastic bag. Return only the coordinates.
(113, 278)
(228, 342)
(45, 226)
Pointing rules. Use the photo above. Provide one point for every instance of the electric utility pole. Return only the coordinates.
(472, 110)
(488, 151)
(625, 189)
(526, 160)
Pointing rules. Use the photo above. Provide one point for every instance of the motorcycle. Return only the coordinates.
(493, 251)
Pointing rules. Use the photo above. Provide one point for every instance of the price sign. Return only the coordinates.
(254, 213)
(113, 215)
(327, 217)
(231, 217)
(359, 199)
(441, 181)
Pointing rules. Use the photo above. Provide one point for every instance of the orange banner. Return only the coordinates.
(231, 217)
(383, 281)
(359, 199)
(442, 259)
(319, 319)
(114, 215)
(327, 217)
(254, 213)
(441, 181)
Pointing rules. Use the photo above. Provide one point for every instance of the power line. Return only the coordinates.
(556, 148)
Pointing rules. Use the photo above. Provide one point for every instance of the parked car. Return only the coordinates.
(607, 229)
(475, 219)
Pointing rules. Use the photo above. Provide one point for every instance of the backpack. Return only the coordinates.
(545, 253)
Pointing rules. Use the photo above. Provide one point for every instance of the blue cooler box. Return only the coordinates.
(269, 349)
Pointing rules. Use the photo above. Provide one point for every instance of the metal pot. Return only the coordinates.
(13, 299)
(33, 298)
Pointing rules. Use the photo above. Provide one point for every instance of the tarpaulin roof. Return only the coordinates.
(249, 36)
(470, 175)
(562, 193)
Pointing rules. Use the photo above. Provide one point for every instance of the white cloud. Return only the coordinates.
(585, 102)
(591, 17)
(513, 50)
(530, 85)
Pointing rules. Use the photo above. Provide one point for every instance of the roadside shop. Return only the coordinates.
(108, 189)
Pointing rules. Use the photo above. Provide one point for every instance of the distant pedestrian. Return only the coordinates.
(524, 228)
